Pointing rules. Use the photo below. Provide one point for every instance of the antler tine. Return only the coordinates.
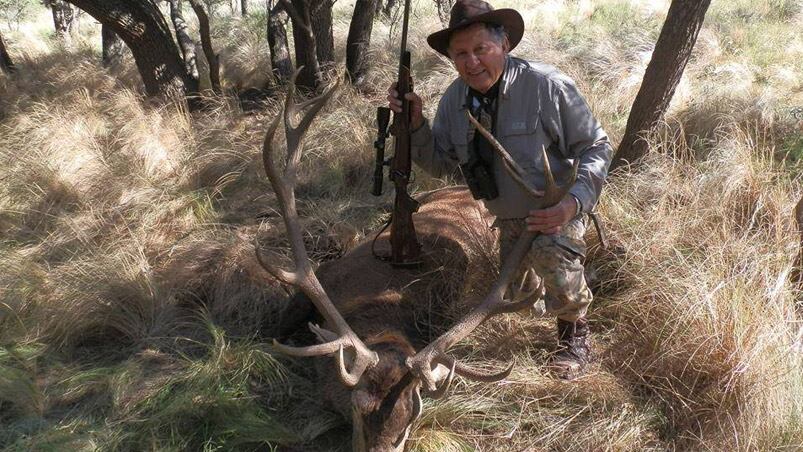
(513, 168)
(295, 133)
(362, 361)
(426, 359)
(479, 375)
(441, 390)
(548, 176)
(313, 350)
(458, 368)
(278, 273)
(346, 376)
(553, 193)
(302, 276)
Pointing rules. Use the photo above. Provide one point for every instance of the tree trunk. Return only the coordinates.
(281, 65)
(359, 40)
(112, 47)
(244, 7)
(444, 8)
(321, 15)
(663, 73)
(306, 52)
(797, 270)
(6, 65)
(185, 42)
(140, 24)
(63, 17)
(206, 42)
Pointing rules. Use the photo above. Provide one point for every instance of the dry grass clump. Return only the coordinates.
(705, 319)
(219, 272)
(20, 396)
(104, 188)
(202, 402)
(244, 53)
(101, 298)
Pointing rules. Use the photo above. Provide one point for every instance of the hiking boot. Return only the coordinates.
(574, 350)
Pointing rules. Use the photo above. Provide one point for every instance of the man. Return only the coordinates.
(526, 106)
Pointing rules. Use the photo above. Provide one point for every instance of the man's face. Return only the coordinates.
(478, 57)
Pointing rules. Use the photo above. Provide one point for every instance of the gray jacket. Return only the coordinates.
(537, 105)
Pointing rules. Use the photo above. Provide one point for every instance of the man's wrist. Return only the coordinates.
(419, 126)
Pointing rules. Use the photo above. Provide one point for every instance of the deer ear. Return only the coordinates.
(363, 401)
(418, 406)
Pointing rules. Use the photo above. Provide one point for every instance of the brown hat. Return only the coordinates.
(467, 12)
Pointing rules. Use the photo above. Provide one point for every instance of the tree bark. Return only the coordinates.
(63, 17)
(306, 52)
(321, 16)
(359, 40)
(206, 42)
(185, 42)
(6, 65)
(797, 270)
(112, 47)
(140, 24)
(663, 73)
(281, 65)
(244, 7)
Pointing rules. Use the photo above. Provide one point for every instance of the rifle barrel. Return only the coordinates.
(405, 26)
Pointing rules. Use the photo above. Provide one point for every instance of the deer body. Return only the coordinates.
(391, 309)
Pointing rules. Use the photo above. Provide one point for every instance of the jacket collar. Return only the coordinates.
(509, 76)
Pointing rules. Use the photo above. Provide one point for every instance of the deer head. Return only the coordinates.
(385, 374)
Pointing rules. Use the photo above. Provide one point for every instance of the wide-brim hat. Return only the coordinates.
(467, 12)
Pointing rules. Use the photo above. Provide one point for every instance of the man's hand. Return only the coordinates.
(551, 219)
(416, 106)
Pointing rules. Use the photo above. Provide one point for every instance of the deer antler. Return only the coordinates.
(303, 276)
(427, 359)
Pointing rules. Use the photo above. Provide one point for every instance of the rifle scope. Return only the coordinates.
(382, 121)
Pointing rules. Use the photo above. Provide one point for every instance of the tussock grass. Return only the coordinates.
(707, 319)
(19, 395)
(133, 313)
(206, 403)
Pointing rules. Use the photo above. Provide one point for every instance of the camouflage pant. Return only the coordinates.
(557, 259)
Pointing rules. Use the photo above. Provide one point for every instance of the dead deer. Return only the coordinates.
(381, 361)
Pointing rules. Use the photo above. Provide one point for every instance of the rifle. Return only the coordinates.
(382, 120)
(405, 249)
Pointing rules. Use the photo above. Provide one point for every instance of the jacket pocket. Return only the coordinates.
(459, 138)
(523, 139)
